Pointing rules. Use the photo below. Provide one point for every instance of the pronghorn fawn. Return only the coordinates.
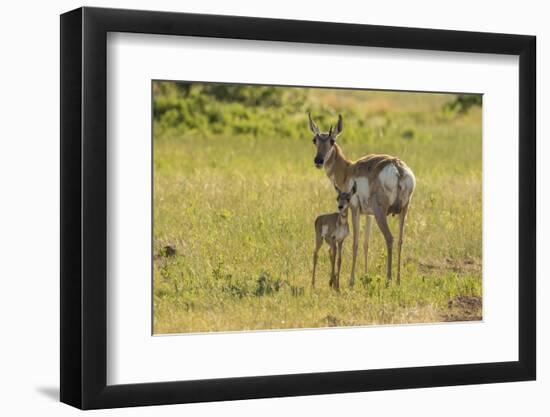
(385, 185)
(333, 228)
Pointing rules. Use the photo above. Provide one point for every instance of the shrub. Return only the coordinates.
(464, 102)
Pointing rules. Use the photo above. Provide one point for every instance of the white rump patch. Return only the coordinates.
(389, 177)
(407, 183)
(324, 230)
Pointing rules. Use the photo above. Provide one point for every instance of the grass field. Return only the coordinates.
(238, 210)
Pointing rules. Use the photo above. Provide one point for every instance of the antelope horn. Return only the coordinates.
(312, 124)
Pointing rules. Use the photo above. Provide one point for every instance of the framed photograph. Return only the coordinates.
(260, 208)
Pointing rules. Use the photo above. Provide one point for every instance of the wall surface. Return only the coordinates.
(29, 225)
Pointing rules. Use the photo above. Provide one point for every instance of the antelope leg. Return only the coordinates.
(318, 244)
(332, 282)
(381, 219)
(355, 224)
(402, 217)
(368, 225)
(339, 265)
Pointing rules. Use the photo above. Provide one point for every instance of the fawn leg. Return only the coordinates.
(339, 265)
(355, 224)
(318, 244)
(332, 281)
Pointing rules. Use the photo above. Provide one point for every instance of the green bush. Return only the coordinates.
(212, 109)
(207, 110)
(463, 102)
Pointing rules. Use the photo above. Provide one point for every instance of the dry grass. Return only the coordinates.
(239, 213)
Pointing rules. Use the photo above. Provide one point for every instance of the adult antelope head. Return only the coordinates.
(324, 142)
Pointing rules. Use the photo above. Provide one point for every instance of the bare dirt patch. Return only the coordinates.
(332, 321)
(466, 265)
(464, 308)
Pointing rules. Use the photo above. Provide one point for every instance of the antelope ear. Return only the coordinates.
(313, 127)
(354, 188)
(339, 126)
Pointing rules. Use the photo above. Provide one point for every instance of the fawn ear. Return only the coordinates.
(339, 126)
(313, 127)
(354, 188)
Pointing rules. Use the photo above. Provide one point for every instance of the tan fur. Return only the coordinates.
(374, 191)
(336, 228)
(341, 169)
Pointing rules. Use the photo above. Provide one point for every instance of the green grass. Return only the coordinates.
(239, 210)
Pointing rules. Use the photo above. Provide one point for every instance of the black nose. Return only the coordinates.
(318, 160)
(340, 207)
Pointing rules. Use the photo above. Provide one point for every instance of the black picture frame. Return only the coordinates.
(84, 207)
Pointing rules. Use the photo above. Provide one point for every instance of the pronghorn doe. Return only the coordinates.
(333, 228)
(384, 184)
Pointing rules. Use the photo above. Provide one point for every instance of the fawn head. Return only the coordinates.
(343, 198)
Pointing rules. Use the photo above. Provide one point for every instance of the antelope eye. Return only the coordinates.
(314, 141)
